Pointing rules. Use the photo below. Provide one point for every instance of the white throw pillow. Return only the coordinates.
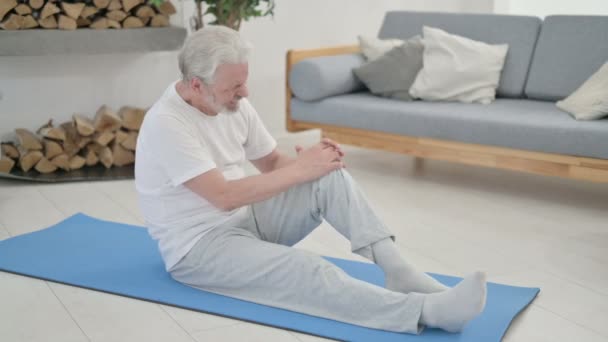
(458, 68)
(590, 100)
(373, 47)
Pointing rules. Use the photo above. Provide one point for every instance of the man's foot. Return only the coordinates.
(451, 310)
(400, 275)
(410, 280)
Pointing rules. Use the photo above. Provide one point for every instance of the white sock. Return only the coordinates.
(401, 276)
(451, 310)
(366, 252)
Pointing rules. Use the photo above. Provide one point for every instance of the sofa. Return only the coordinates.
(521, 130)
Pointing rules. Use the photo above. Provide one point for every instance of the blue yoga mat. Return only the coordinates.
(123, 260)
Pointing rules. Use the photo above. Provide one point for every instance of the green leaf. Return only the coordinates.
(240, 9)
(156, 2)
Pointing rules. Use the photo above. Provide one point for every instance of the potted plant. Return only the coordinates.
(231, 13)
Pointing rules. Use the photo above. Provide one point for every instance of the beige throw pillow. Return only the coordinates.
(458, 68)
(590, 100)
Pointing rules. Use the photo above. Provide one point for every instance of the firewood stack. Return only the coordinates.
(73, 14)
(109, 138)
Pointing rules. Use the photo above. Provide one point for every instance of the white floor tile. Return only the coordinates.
(539, 325)
(570, 301)
(26, 210)
(570, 265)
(309, 338)
(590, 244)
(3, 232)
(123, 193)
(72, 198)
(105, 317)
(9, 186)
(245, 332)
(29, 311)
(193, 321)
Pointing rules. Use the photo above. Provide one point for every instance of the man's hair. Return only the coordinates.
(208, 48)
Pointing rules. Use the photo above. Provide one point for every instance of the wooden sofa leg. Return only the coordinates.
(418, 166)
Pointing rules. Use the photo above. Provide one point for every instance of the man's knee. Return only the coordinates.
(339, 177)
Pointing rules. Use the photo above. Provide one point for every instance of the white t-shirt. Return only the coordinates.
(176, 143)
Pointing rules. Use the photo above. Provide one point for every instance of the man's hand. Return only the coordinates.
(327, 143)
(318, 160)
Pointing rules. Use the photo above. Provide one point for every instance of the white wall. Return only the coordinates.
(34, 89)
(543, 8)
(477, 6)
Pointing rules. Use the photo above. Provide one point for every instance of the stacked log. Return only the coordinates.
(95, 14)
(109, 138)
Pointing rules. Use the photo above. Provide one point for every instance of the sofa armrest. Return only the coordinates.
(295, 56)
(317, 77)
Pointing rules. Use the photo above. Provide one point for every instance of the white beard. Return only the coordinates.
(211, 102)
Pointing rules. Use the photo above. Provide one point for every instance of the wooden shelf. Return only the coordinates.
(90, 41)
(85, 174)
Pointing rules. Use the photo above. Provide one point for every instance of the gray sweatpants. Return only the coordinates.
(250, 258)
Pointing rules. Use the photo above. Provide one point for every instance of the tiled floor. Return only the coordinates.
(522, 229)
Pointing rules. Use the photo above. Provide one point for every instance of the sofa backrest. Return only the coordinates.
(520, 32)
(569, 50)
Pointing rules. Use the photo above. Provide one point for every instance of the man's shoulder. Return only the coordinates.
(166, 105)
(162, 116)
(246, 109)
(246, 106)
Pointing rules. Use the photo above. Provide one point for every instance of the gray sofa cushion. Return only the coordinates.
(392, 74)
(315, 78)
(569, 50)
(513, 123)
(518, 31)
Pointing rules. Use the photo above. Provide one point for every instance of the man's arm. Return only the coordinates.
(227, 195)
(273, 161)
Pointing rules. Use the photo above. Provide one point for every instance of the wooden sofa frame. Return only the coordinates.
(567, 166)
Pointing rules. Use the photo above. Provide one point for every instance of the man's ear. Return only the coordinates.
(199, 86)
(196, 85)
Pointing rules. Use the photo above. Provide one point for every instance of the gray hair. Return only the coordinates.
(208, 48)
